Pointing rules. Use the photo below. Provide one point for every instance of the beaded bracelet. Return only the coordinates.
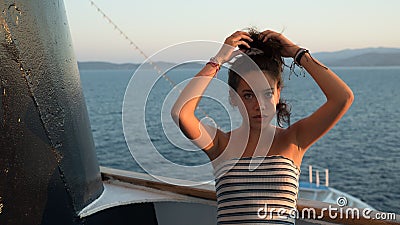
(214, 63)
(296, 61)
(299, 54)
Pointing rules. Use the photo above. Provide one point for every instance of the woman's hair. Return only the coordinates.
(267, 56)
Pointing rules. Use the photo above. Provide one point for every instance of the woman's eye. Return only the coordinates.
(248, 96)
(269, 94)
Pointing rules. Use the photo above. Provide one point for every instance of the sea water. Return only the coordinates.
(362, 151)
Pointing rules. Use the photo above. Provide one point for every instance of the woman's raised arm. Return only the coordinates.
(339, 96)
(183, 111)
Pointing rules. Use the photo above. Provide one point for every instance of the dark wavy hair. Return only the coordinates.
(267, 56)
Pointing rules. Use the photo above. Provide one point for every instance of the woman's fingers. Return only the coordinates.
(237, 33)
(242, 43)
(289, 48)
(226, 53)
(236, 38)
(246, 36)
(270, 34)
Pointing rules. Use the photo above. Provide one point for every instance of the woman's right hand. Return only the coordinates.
(227, 51)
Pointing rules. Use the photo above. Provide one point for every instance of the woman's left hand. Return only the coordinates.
(289, 48)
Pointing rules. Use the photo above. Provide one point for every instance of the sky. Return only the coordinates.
(155, 25)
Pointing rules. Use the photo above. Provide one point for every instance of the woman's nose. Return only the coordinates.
(261, 104)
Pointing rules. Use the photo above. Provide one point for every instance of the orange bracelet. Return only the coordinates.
(214, 63)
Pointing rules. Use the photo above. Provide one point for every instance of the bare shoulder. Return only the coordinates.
(285, 144)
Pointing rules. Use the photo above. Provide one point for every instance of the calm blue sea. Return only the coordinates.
(362, 151)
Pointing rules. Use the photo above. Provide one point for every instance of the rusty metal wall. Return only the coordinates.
(48, 167)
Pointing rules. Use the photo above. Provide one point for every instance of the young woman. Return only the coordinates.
(257, 165)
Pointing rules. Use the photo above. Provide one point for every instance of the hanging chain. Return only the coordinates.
(131, 43)
(137, 48)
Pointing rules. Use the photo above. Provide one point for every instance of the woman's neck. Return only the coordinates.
(256, 135)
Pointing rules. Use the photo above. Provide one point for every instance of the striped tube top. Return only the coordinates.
(257, 190)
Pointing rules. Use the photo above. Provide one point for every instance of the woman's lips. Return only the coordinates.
(259, 117)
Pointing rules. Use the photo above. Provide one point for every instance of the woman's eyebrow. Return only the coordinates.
(249, 90)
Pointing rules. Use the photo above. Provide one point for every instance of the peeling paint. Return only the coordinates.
(1, 205)
(59, 157)
(13, 13)
(52, 120)
(16, 11)
(3, 105)
(15, 53)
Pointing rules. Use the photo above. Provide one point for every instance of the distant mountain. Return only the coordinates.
(361, 57)
(368, 59)
(133, 66)
(106, 66)
(348, 57)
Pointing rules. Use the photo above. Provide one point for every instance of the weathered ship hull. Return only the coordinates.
(48, 166)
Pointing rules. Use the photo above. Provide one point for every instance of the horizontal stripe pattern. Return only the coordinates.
(256, 190)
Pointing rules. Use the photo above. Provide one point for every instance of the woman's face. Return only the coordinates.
(257, 98)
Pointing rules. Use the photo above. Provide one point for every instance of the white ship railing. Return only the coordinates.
(207, 192)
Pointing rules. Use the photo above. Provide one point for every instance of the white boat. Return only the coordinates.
(314, 190)
(329, 195)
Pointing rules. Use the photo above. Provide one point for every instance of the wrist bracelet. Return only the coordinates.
(300, 53)
(297, 58)
(214, 63)
(297, 52)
